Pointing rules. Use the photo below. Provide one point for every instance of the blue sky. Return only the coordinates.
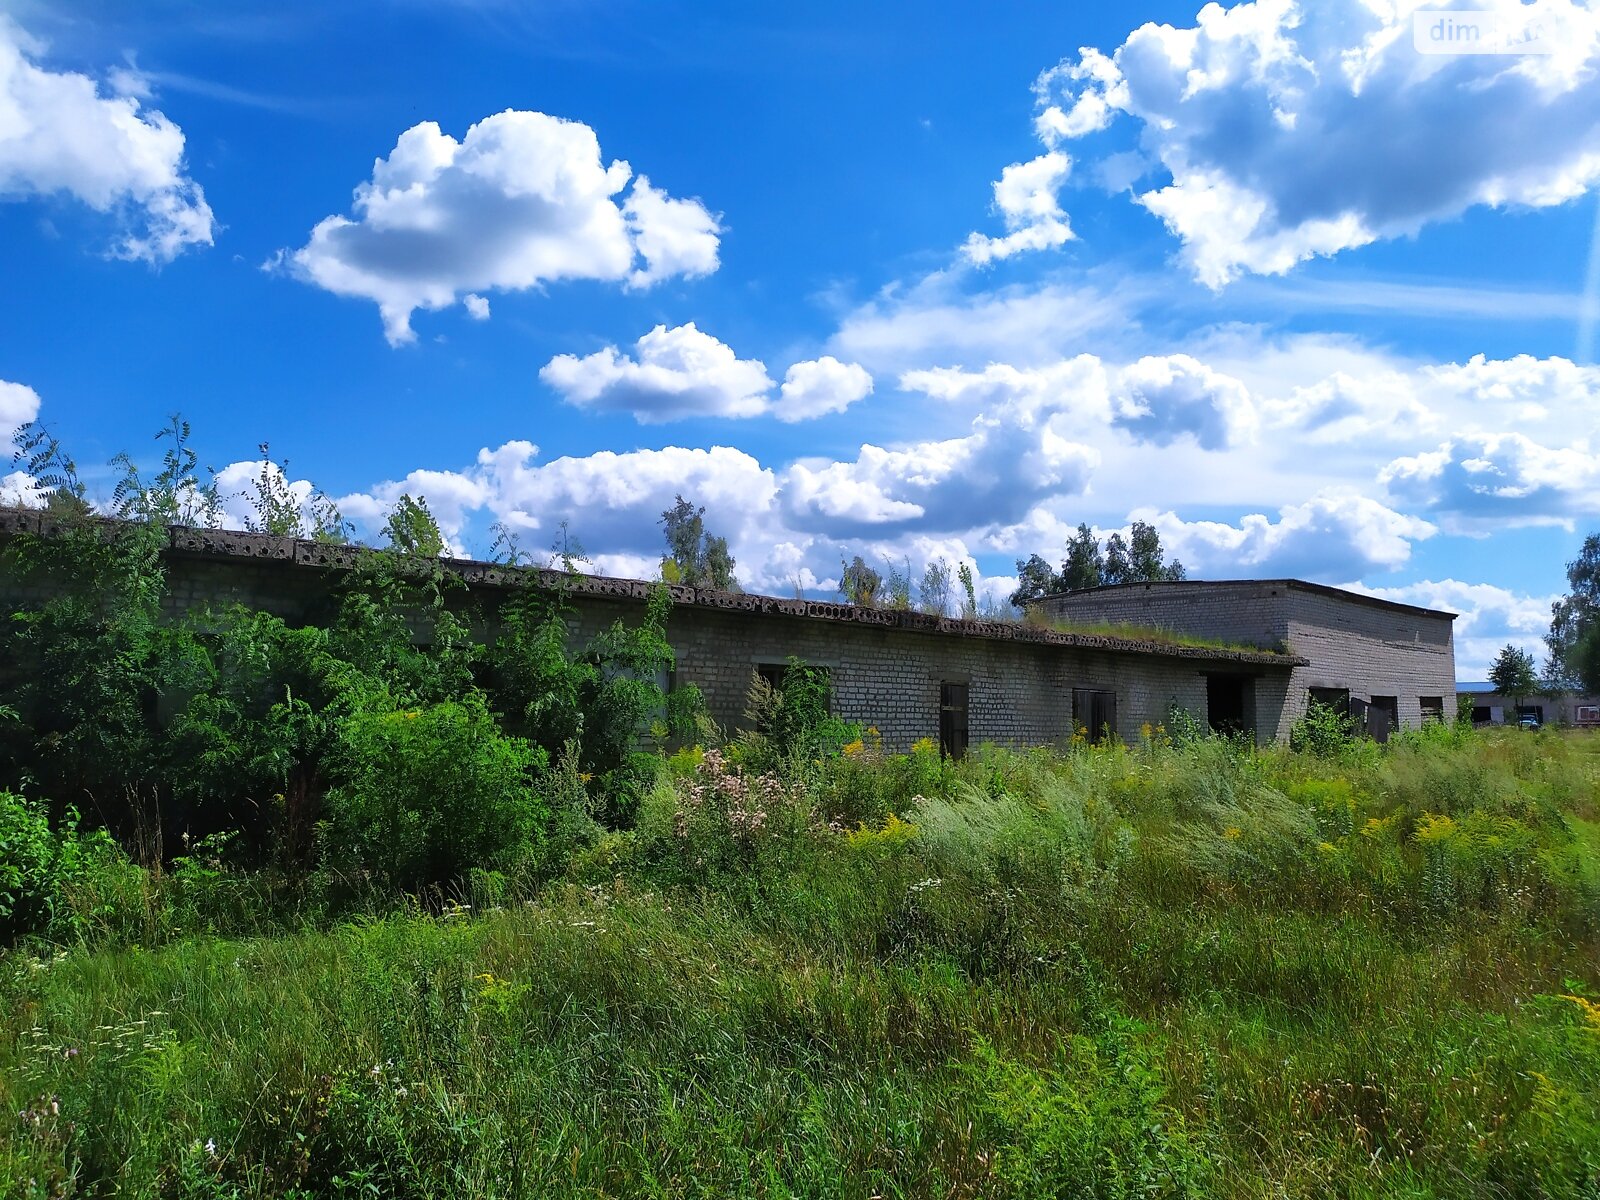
(903, 280)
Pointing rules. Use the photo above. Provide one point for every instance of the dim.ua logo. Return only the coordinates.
(1529, 29)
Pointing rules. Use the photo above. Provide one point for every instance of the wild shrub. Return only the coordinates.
(1094, 1122)
(606, 699)
(850, 787)
(724, 820)
(60, 883)
(258, 736)
(792, 726)
(395, 624)
(1324, 731)
(427, 793)
(28, 885)
(87, 670)
(864, 784)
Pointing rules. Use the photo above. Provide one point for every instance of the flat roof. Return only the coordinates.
(304, 554)
(1304, 585)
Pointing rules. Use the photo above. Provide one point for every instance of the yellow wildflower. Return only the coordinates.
(1376, 826)
(1589, 1009)
(1434, 828)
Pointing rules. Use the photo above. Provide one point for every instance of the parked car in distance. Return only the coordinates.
(1529, 722)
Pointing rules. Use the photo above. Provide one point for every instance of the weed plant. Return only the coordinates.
(1142, 970)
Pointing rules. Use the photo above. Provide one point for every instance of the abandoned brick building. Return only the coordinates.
(1389, 664)
(916, 676)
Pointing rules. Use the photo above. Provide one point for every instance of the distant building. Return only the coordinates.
(1489, 707)
(1391, 665)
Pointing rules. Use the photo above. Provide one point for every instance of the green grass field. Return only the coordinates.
(1152, 970)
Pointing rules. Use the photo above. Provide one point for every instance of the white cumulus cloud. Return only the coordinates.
(821, 386)
(1017, 453)
(1162, 398)
(686, 372)
(62, 133)
(19, 404)
(1336, 534)
(674, 373)
(1481, 481)
(1290, 130)
(1025, 197)
(523, 199)
(675, 237)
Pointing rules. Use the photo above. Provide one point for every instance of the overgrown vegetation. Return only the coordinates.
(1140, 633)
(376, 742)
(1138, 970)
(404, 902)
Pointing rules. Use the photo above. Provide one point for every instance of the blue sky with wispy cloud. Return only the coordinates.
(909, 280)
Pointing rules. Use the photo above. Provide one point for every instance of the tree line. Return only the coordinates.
(1572, 644)
(1138, 558)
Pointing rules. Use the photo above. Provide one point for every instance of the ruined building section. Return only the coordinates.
(1391, 664)
(956, 682)
(910, 675)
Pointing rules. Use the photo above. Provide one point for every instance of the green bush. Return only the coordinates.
(428, 793)
(1324, 731)
(791, 727)
(724, 820)
(1093, 1123)
(28, 884)
(64, 883)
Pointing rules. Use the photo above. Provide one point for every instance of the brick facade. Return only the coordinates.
(886, 667)
(1348, 642)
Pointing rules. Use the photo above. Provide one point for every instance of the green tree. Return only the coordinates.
(1119, 562)
(278, 510)
(606, 700)
(1513, 673)
(897, 588)
(859, 583)
(41, 457)
(934, 593)
(969, 592)
(175, 495)
(411, 529)
(694, 556)
(567, 552)
(1146, 559)
(1035, 580)
(1084, 567)
(1573, 661)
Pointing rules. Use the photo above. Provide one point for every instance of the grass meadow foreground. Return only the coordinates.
(1165, 969)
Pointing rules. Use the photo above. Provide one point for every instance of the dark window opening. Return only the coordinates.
(773, 673)
(1094, 714)
(1481, 714)
(1230, 704)
(1432, 708)
(1337, 699)
(952, 720)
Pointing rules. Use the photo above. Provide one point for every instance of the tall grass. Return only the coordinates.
(1129, 971)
